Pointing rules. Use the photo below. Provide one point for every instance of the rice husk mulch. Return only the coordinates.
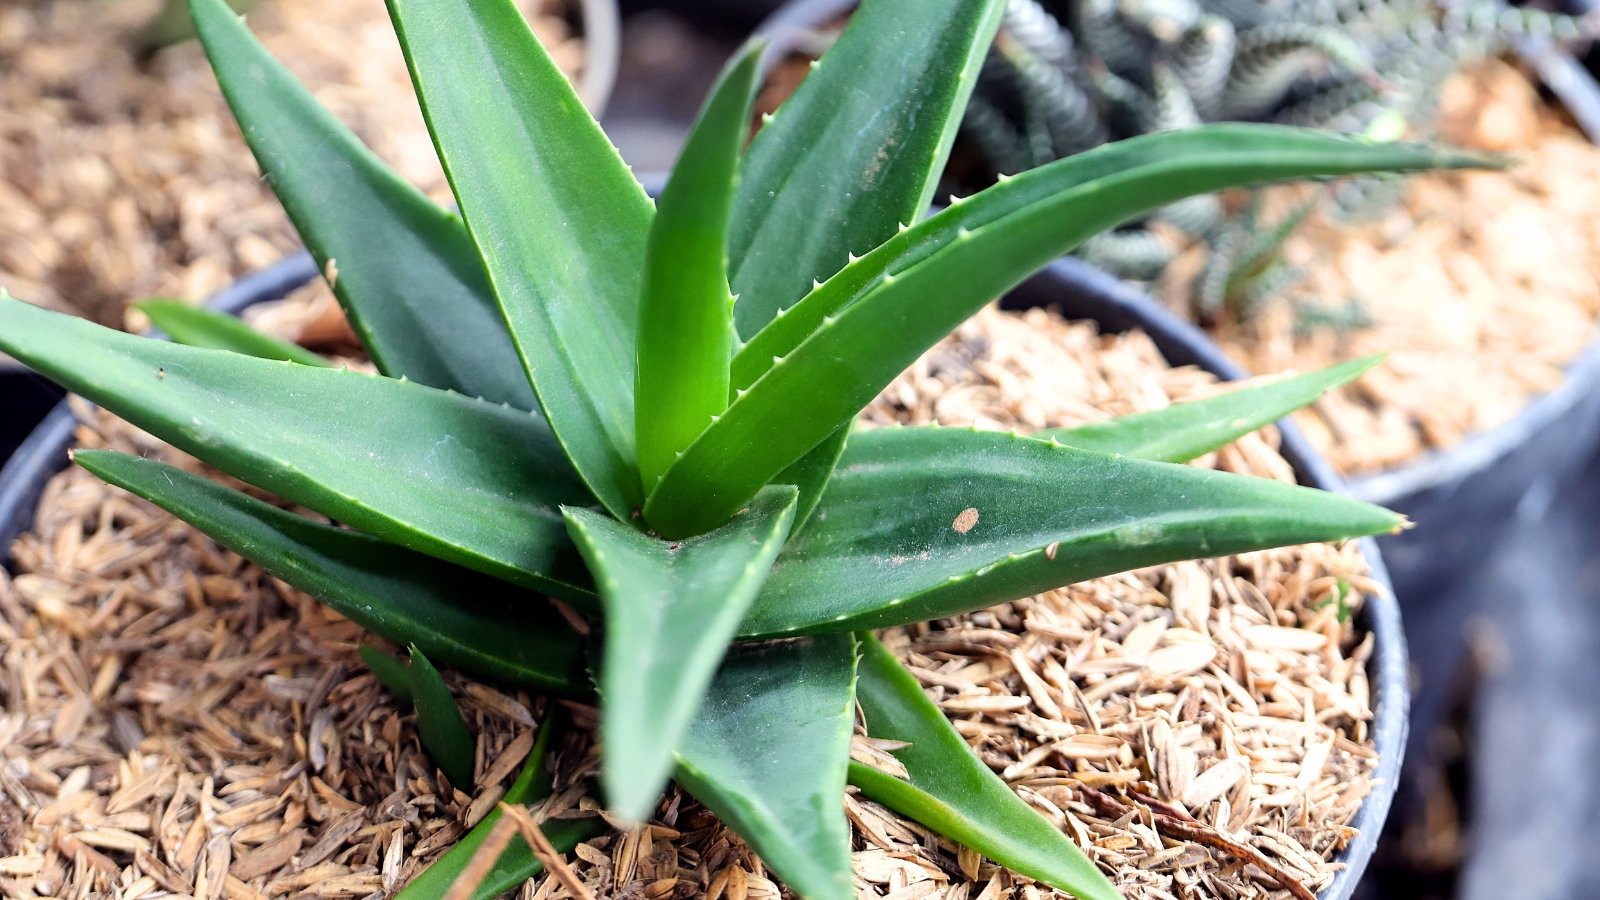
(1483, 286)
(123, 179)
(176, 722)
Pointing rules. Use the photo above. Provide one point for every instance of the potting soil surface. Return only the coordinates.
(177, 721)
(1482, 286)
(122, 178)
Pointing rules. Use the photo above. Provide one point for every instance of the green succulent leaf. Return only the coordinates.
(197, 327)
(856, 150)
(393, 674)
(768, 754)
(671, 610)
(1183, 431)
(1058, 190)
(471, 621)
(443, 732)
(404, 269)
(999, 516)
(854, 353)
(686, 313)
(559, 220)
(949, 788)
(516, 863)
(460, 479)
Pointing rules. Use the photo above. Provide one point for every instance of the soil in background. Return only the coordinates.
(122, 178)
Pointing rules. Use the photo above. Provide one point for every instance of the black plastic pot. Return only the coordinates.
(24, 400)
(1078, 291)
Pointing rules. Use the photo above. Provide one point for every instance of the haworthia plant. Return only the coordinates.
(1065, 76)
(563, 407)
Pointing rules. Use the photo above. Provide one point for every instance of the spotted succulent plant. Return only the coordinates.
(1068, 75)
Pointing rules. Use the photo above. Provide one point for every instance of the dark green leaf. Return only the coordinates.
(951, 790)
(768, 755)
(920, 523)
(467, 481)
(856, 150)
(560, 221)
(517, 862)
(463, 618)
(457, 616)
(443, 732)
(671, 609)
(405, 270)
(390, 672)
(686, 313)
(854, 353)
(198, 327)
(1184, 431)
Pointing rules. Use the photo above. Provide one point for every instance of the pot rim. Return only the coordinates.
(1089, 293)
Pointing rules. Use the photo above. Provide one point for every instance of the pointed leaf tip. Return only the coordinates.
(1186, 430)
(403, 264)
(685, 318)
(671, 611)
(555, 215)
(439, 724)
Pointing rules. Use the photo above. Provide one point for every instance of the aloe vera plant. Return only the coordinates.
(644, 409)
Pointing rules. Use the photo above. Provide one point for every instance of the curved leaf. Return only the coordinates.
(405, 270)
(852, 355)
(671, 610)
(443, 732)
(471, 621)
(1178, 156)
(856, 150)
(459, 479)
(951, 790)
(198, 327)
(1183, 431)
(768, 754)
(686, 312)
(997, 517)
(559, 220)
